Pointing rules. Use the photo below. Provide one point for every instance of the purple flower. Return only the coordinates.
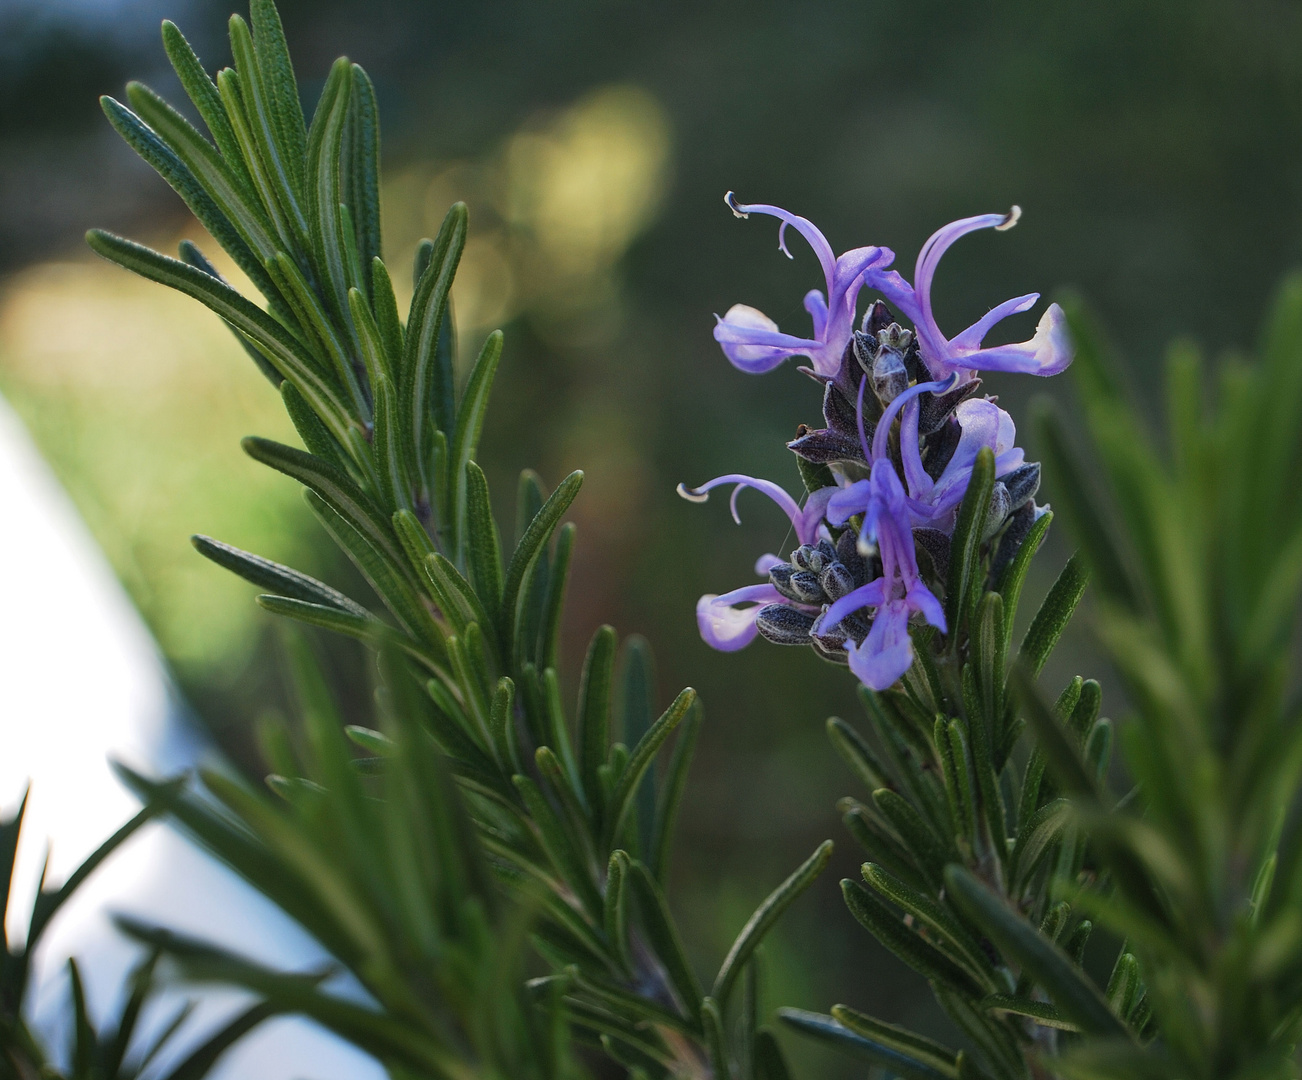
(887, 652)
(752, 341)
(1047, 353)
(727, 621)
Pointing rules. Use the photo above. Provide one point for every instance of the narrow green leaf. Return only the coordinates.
(965, 545)
(284, 351)
(1013, 578)
(9, 832)
(1077, 998)
(1075, 780)
(203, 92)
(853, 749)
(643, 754)
(671, 794)
(964, 787)
(273, 576)
(390, 461)
(715, 1040)
(1034, 837)
(365, 627)
(84, 1041)
(236, 846)
(558, 576)
(502, 723)
(662, 936)
(888, 928)
(425, 385)
(639, 1010)
(334, 488)
(878, 841)
(558, 735)
(384, 1036)
(277, 73)
(471, 681)
(927, 912)
(199, 1062)
(375, 350)
(636, 714)
(226, 181)
(989, 661)
(317, 324)
(138, 985)
(272, 161)
(929, 851)
(1098, 750)
(222, 212)
(380, 571)
(385, 305)
(464, 442)
(324, 175)
(192, 256)
(595, 700)
(530, 494)
(615, 912)
(556, 840)
(769, 1061)
(1085, 517)
(377, 742)
(315, 435)
(531, 545)
(457, 735)
(1124, 985)
(991, 1037)
(363, 159)
(1063, 758)
(452, 584)
(47, 903)
(829, 1030)
(764, 919)
(897, 1038)
(483, 545)
(1052, 618)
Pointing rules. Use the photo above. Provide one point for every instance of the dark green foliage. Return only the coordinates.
(386, 872)
(487, 814)
(1198, 547)
(113, 1050)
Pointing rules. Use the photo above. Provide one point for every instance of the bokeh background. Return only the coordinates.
(1155, 146)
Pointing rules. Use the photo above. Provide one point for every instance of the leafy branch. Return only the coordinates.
(570, 815)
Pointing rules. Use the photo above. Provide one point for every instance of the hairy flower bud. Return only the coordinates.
(1000, 504)
(784, 625)
(1022, 484)
(836, 580)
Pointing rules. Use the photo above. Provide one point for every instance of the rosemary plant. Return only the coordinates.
(571, 816)
(481, 832)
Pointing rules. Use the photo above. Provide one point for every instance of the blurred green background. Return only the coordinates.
(1156, 148)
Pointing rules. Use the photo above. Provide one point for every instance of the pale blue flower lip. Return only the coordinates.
(1049, 352)
(752, 341)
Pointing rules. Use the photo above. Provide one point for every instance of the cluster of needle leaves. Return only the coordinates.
(482, 826)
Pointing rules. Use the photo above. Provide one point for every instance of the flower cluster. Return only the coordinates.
(904, 422)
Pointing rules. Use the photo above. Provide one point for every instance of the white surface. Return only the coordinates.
(80, 680)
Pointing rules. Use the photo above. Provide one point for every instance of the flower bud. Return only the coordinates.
(836, 580)
(784, 625)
